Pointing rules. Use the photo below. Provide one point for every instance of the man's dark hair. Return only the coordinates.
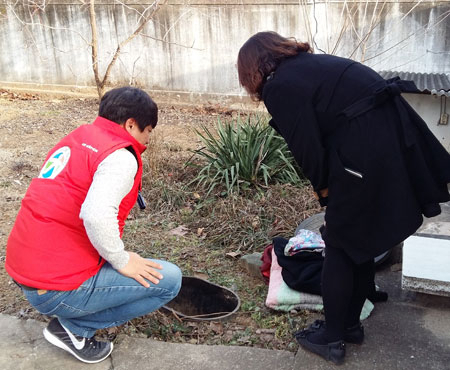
(123, 103)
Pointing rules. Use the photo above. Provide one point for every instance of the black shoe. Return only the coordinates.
(334, 351)
(354, 334)
(84, 349)
(377, 296)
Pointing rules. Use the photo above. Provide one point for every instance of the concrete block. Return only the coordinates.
(252, 263)
(426, 262)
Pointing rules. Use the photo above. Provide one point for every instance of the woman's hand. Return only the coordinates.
(322, 196)
(140, 269)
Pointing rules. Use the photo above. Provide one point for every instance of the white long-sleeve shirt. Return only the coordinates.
(112, 181)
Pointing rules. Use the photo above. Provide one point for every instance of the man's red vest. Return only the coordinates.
(48, 247)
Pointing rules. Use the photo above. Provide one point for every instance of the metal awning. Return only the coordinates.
(428, 83)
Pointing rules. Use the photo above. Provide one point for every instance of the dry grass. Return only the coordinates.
(213, 225)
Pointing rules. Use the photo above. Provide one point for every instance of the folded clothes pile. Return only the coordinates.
(294, 275)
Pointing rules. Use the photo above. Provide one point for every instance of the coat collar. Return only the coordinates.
(118, 130)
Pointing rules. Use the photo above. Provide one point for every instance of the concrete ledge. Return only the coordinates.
(425, 286)
(236, 102)
(436, 228)
(144, 354)
(426, 262)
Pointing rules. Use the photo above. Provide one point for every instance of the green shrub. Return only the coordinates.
(244, 153)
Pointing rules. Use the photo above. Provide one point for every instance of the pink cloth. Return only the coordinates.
(281, 297)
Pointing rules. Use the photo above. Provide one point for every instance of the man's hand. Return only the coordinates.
(140, 269)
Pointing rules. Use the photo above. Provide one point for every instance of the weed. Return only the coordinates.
(242, 154)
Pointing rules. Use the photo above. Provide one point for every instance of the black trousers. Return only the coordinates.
(345, 286)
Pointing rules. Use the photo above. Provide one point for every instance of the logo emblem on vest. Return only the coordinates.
(55, 164)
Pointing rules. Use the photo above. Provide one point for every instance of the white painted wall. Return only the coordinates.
(203, 40)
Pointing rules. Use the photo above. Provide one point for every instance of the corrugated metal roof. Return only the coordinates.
(430, 83)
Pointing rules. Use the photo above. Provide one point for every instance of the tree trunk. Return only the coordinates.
(94, 50)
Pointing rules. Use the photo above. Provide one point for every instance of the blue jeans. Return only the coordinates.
(106, 299)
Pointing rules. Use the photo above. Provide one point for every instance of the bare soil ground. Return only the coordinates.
(181, 224)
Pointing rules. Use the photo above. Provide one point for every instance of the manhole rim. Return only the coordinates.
(215, 318)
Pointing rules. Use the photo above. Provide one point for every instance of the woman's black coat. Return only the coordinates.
(352, 132)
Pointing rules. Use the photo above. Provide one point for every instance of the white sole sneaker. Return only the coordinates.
(53, 339)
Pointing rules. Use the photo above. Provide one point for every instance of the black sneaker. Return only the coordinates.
(84, 349)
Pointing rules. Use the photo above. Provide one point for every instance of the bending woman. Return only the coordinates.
(369, 156)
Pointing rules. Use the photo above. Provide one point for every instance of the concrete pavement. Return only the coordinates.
(411, 331)
(22, 347)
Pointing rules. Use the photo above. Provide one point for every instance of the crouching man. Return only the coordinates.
(65, 249)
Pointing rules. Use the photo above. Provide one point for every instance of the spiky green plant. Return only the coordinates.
(244, 153)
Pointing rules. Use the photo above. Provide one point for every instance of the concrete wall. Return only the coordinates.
(202, 39)
(429, 108)
(188, 51)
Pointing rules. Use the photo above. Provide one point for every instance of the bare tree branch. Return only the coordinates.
(33, 17)
(304, 7)
(94, 48)
(152, 9)
(420, 31)
(12, 8)
(374, 22)
(410, 10)
(343, 29)
(172, 43)
(175, 23)
(316, 23)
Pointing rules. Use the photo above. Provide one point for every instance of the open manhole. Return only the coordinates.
(199, 299)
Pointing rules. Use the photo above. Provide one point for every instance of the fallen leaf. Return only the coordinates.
(233, 254)
(216, 327)
(265, 331)
(113, 330)
(179, 231)
(256, 223)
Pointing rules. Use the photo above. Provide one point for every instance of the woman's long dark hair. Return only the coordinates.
(260, 55)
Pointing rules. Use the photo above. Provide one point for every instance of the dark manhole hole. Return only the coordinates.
(199, 299)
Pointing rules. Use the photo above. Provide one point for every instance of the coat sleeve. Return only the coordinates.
(293, 116)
